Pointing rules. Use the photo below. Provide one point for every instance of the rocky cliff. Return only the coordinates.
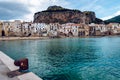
(62, 15)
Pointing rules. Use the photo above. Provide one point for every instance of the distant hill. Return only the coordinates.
(115, 19)
(61, 15)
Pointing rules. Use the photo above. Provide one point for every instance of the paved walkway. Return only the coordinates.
(3, 72)
(7, 65)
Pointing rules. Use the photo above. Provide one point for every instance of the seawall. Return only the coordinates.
(9, 62)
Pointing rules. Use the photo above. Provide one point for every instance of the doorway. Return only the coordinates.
(3, 33)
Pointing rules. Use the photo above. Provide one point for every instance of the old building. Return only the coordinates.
(26, 28)
(92, 29)
(1, 26)
(83, 30)
(40, 29)
(53, 29)
(114, 28)
(6, 28)
(10, 28)
(100, 29)
(14, 28)
(69, 29)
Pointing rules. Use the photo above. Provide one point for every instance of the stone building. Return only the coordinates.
(25, 29)
(86, 30)
(92, 29)
(100, 29)
(6, 28)
(14, 28)
(1, 26)
(10, 28)
(53, 29)
(69, 29)
(83, 30)
(40, 29)
(113, 28)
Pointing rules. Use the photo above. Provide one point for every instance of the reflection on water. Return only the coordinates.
(69, 59)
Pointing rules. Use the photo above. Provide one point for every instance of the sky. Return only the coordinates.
(25, 9)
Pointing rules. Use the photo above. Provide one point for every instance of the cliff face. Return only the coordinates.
(61, 15)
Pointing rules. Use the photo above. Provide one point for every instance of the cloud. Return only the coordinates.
(39, 5)
(25, 9)
(12, 10)
(111, 16)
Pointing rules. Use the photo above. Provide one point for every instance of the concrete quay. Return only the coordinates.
(7, 65)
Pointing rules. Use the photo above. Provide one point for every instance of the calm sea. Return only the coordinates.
(69, 58)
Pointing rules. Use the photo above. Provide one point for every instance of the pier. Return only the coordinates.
(7, 65)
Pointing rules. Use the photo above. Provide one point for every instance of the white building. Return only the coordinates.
(40, 28)
(101, 27)
(114, 28)
(11, 28)
(53, 29)
(70, 29)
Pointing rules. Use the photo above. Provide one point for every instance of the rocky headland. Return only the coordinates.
(58, 14)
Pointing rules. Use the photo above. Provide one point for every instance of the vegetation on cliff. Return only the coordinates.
(115, 19)
(58, 9)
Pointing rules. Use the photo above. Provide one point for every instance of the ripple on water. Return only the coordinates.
(69, 59)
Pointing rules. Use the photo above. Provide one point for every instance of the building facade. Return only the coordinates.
(69, 29)
(28, 29)
(1, 26)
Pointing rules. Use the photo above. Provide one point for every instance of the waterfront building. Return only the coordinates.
(40, 29)
(32, 29)
(14, 29)
(74, 29)
(6, 28)
(86, 30)
(26, 28)
(1, 25)
(53, 29)
(100, 29)
(69, 29)
(18, 28)
(92, 29)
(83, 30)
(114, 28)
(11, 28)
(97, 29)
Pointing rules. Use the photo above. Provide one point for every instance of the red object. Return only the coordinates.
(17, 63)
(22, 63)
